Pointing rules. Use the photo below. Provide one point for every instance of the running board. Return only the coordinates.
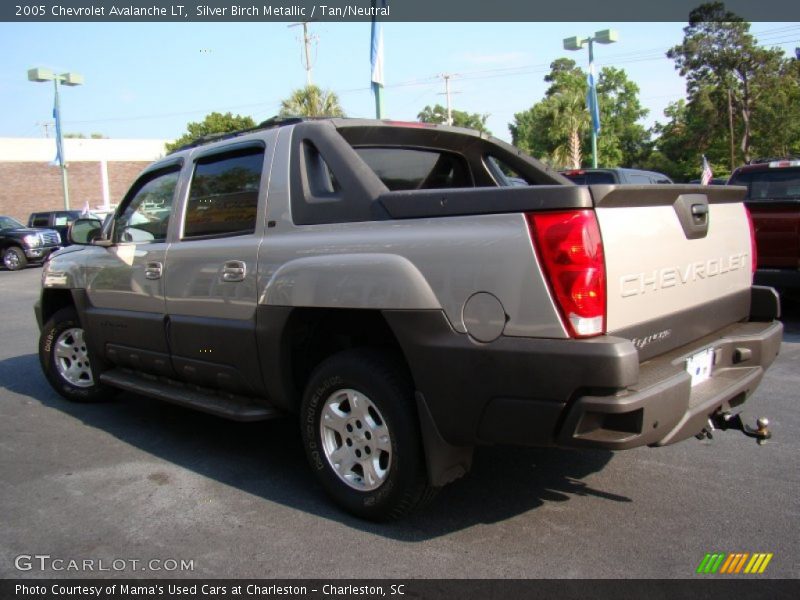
(221, 404)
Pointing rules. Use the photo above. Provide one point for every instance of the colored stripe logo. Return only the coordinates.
(734, 563)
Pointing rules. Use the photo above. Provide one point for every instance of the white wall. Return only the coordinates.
(76, 150)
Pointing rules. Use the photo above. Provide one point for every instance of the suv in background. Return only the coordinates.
(616, 175)
(60, 220)
(20, 245)
(773, 198)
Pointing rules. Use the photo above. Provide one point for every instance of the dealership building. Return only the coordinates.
(99, 171)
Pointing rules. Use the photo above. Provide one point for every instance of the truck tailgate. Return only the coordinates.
(678, 261)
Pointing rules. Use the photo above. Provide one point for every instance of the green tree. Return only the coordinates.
(557, 129)
(776, 121)
(438, 114)
(215, 123)
(311, 101)
(674, 151)
(723, 62)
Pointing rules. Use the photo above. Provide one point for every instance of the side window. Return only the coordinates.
(223, 197)
(504, 175)
(39, 221)
(638, 178)
(322, 182)
(146, 216)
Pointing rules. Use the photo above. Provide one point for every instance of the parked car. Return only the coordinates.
(20, 245)
(773, 198)
(388, 288)
(615, 175)
(60, 220)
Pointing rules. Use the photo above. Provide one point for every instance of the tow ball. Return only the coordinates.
(723, 421)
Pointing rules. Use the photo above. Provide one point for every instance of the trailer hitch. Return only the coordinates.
(723, 421)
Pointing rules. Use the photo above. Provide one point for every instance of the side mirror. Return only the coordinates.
(84, 231)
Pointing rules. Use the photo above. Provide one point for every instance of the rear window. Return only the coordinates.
(590, 177)
(772, 184)
(412, 169)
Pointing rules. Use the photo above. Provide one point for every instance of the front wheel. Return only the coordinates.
(14, 259)
(361, 434)
(65, 360)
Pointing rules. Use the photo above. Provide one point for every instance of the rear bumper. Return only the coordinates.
(663, 407)
(579, 393)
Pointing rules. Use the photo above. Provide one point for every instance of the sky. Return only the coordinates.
(148, 80)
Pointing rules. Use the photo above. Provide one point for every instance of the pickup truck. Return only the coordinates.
(773, 199)
(20, 245)
(59, 220)
(390, 287)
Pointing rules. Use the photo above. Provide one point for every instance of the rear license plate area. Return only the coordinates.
(700, 365)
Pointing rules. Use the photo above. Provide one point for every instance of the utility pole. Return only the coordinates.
(46, 126)
(307, 39)
(447, 77)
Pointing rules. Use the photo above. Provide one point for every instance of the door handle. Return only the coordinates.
(234, 270)
(153, 270)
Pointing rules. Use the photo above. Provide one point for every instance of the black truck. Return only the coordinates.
(20, 245)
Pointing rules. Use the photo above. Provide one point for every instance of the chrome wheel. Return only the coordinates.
(72, 359)
(11, 260)
(355, 440)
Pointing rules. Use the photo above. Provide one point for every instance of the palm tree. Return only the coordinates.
(570, 119)
(311, 101)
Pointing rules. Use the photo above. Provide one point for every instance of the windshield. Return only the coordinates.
(775, 184)
(9, 223)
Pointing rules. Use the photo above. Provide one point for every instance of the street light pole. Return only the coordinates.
(606, 36)
(594, 131)
(60, 144)
(70, 79)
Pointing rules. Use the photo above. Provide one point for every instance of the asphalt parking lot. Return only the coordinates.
(135, 479)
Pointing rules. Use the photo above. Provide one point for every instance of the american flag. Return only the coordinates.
(706, 175)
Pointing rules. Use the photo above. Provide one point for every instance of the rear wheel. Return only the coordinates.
(14, 258)
(361, 434)
(65, 359)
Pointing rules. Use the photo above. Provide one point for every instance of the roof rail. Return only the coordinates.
(215, 137)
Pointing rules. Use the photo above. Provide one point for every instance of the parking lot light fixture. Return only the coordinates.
(604, 36)
(39, 75)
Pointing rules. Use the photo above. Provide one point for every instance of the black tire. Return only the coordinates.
(381, 381)
(14, 258)
(71, 376)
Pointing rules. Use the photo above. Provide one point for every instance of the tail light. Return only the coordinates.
(753, 247)
(570, 250)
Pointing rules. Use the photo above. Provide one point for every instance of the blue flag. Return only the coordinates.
(591, 99)
(59, 159)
